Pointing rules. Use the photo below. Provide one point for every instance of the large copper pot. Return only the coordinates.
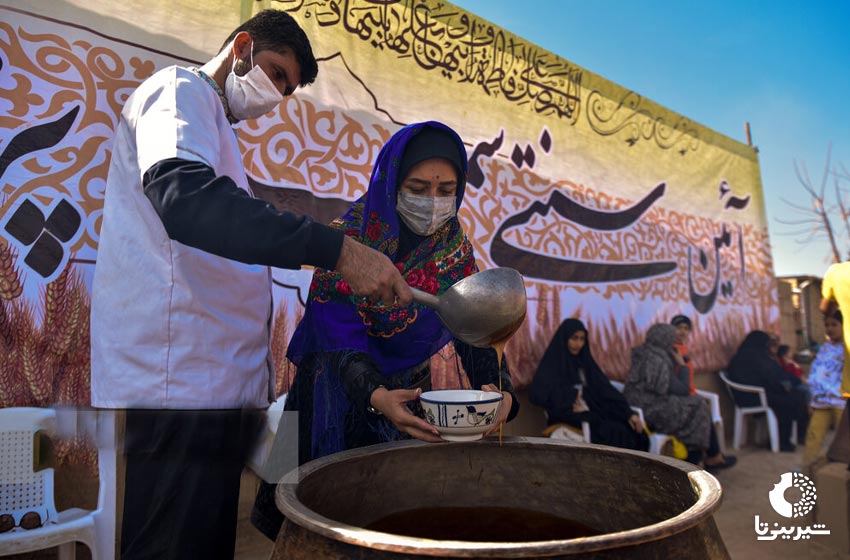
(646, 506)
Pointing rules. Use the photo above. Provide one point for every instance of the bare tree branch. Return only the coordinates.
(841, 207)
(817, 218)
(811, 223)
(804, 179)
(844, 175)
(799, 207)
(825, 170)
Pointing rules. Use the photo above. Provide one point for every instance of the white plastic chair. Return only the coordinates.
(22, 490)
(656, 441)
(762, 408)
(716, 417)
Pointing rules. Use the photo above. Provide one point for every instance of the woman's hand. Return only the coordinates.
(677, 356)
(392, 405)
(635, 423)
(502, 412)
(579, 405)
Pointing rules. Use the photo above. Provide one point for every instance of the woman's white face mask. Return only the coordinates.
(252, 95)
(425, 214)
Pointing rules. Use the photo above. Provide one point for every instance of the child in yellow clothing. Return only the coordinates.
(836, 295)
(825, 385)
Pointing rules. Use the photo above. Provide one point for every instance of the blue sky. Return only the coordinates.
(783, 66)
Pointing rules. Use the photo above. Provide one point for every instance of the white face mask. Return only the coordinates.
(252, 95)
(425, 214)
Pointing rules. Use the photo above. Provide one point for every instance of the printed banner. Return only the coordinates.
(615, 210)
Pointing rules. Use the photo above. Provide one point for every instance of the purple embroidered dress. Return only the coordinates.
(345, 346)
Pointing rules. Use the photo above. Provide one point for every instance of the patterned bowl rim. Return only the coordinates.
(498, 397)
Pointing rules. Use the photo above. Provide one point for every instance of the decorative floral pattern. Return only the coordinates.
(313, 145)
(431, 276)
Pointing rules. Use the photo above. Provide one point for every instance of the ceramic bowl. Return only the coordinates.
(461, 414)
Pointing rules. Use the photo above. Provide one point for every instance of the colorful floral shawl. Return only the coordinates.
(395, 337)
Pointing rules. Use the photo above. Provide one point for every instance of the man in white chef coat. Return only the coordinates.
(182, 301)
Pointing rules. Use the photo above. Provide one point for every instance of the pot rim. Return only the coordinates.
(706, 486)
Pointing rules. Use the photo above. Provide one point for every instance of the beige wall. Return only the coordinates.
(799, 300)
(813, 297)
(789, 316)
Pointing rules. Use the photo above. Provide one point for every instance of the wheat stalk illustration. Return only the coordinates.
(10, 280)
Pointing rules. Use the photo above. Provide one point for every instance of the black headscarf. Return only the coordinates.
(554, 384)
(756, 341)
(752, 364)
(433, 143)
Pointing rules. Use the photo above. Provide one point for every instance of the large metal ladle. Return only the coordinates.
(482, 309)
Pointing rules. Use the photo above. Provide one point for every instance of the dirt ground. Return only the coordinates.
(745, 495)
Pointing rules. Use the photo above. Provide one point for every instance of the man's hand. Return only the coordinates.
(392, 405)
(372, 274)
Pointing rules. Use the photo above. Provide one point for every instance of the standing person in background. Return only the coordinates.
(683, 332)
(181, 299)
(825, 386)
(836, 295)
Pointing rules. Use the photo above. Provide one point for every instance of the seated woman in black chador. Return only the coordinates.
(787, 395)
(572, 389)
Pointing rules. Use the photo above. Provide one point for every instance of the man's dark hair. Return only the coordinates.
(680, 319)
(275, 30)
(783, 350)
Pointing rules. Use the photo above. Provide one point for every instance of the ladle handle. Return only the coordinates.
(425, 298)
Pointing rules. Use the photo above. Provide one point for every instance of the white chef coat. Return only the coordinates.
(173, 326)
